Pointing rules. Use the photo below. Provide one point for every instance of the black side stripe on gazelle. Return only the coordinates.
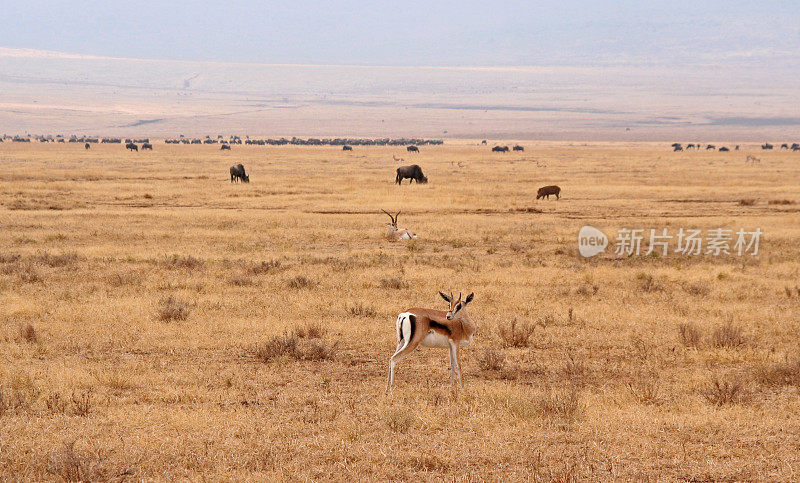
(413, 323)
(442, 327)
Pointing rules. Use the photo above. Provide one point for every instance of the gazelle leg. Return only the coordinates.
(397, 357)
(454, 359)
(452, 365)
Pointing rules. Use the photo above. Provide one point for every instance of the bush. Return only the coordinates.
(360, 310)
(722, 391)
(301, 281)
(171, 308)
(492, 360)
(786, 373)
(392, 283)
(689, 334)
(564, 404)
(265, 266)
(28, 333)
(187, 263)
(290, 346)
(728, 335)
(514, 335)
(312, 330)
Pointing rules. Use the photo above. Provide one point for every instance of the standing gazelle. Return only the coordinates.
(393, 233)
(434, 328)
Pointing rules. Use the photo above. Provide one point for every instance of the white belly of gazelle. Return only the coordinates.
(435, 339)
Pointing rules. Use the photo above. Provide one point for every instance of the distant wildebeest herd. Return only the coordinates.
(722, 149)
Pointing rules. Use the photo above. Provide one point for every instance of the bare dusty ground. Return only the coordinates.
(159, 322)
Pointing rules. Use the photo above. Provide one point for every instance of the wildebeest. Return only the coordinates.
(347, 148)
(412, 149)
(225, 147)
(87, 146)
(710, 146)
(483, 142)
(784, 146)
(414, 172)
(518, 148)
(767, 146)
(690, 146)
(723, 148)
(795, 147)
(132, 147)
(238, 174)
(547, 191)
(500, 149)
(736, 148)
(147, 146)
(677, 148)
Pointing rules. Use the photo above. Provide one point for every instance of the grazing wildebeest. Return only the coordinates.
(412, 149)
(132, 147)
(500, 149)
(147, 146)
(547, 191)
(795, 147)
(347, 148)
(767, 146)
(736, 148)
(414, 172)
(710, 146)
(690, 146)
(677, 148)
(518, 148)
(483, 142)
(676, 145)
(225, 147)
(723, 148)
(238, 174)
(87, 146)
(784, 146)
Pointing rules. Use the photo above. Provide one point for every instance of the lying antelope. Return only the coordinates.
(434, 328)
(394, 233)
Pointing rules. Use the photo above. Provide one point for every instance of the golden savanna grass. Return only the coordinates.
(159, 322)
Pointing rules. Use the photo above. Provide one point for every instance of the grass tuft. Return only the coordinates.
(170, 309)
(516, 335)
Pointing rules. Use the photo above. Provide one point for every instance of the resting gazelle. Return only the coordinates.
(393, 233)
(434, 328)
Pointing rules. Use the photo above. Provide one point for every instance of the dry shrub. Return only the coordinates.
(82, 403)
(646, 388)
(399, 420)
(28, 333)
(241, 281)
(782, 202)
(426, 463)
(725, 390)
(786, 373)
(392, 283)
(576, 371)
(3, 403)
(647, 283)
(689, 334)
(288, 345)
(360, 310)
(492, 360)
(586, 289)
(696, 289)
(563, 403)
(301, 281)
(28, 274)
(68, 465)
(312, 330)
(62, 260)
(516, 335)
(265, 267)
(180, 262)
(728, 335)
(747, 202)
(9, 257)
(171, 308)
(55, 403)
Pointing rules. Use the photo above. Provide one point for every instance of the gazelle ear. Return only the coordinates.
(448, 299)
(469, 298)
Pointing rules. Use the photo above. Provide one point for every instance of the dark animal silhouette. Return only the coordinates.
(710, 146)
(225, 147)
(414, 172)
(238, 174)
(518, 148)
(677, 148)
(547, 191)
(347, 148)
(767, 146)
(87, 146)
(690, 146)
(784, 146)
(147, 146)
(723, 149)
(483, 142)
(500, 149)
(676, 145)
(795, 147)
(736, 148)
(412, 149)
(132, 147)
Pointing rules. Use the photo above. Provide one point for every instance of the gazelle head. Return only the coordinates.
(456, 305)
(393, 218)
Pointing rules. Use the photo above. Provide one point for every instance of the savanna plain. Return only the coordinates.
(160, 322)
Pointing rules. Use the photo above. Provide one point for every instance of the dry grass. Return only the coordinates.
(579, 370)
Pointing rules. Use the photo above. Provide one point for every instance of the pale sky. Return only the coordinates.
(392, 32)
